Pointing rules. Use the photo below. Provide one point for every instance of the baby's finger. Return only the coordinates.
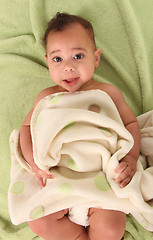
(121, 167)
(42, 182)
(123, 175)
(47, 174)
(125, 181)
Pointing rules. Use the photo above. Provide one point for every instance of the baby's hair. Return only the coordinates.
(62, 20)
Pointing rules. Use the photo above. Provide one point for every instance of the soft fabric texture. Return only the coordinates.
(81, 138)
(123, 32)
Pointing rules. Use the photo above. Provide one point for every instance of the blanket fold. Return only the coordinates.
(81, 138)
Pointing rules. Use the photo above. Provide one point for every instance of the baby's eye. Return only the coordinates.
(57, 59)
(78, 56)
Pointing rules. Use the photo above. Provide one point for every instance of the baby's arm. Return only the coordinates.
(26, 144)
(127, 167)
(27, 151)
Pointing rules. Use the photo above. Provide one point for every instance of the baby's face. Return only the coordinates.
(71, 57)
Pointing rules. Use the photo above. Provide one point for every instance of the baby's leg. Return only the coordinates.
(57, 226)
(106, 224)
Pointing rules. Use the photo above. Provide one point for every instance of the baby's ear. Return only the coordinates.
(97, 57)
(46, 58)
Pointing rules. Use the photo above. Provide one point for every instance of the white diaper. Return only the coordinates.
(79, 215)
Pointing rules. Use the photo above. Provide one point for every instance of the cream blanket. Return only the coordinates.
(80, 137)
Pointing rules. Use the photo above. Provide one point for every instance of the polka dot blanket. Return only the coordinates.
(80, 137)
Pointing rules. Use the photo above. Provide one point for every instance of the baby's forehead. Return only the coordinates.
(74, 32)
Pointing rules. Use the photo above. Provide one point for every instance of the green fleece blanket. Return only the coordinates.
(123, 30)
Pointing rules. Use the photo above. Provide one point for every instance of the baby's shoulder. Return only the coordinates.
(112, 91)
(44, 93)
(41, 95)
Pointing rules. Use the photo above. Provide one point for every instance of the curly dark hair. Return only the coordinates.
(62, 20)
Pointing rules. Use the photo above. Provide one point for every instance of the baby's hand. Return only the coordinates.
(126, 170)
(42, 175)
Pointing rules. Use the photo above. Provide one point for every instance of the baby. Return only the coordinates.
(72, 57)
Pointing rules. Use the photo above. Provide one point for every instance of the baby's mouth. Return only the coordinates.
(71, 81)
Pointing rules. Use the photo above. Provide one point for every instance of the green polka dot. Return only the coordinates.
(72, 165)
(106, 131)
(122, 155)
(101, 183)
(55, 99)
(65, 188)
(39, 119)
(36, 213)
(69, 124)
(12, 148)
(18, 187)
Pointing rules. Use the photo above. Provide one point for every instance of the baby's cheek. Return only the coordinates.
(88, 71)
(54, 74)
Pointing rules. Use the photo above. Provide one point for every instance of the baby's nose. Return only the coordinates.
(69, 67)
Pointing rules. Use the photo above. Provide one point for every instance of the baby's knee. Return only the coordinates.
(116, 232)
(46, 225)
(38, 227)
(107, 224)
